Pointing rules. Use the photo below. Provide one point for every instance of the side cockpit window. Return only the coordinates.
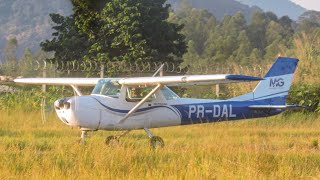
(136, 94)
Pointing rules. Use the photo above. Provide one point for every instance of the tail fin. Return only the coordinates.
(276, 84)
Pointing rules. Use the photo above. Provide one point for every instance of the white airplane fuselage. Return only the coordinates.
(97, 112)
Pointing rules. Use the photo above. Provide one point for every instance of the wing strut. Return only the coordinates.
(160, 70)
(136, 107)
(76, 89)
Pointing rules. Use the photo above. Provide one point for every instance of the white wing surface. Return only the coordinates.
(188, 80)
(59, 81)
(146, 81)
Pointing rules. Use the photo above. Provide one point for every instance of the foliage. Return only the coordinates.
(129, 30)
(68, 42)
(233, 39)
(10, 58)
(306, 95)
(308, 21)
(30, 98)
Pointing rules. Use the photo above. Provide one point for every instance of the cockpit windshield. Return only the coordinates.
(107, 87)
(169, 94)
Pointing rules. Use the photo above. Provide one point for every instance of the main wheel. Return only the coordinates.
(156, 142)
(112, 140)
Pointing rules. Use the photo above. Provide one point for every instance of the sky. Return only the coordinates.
(309, 4)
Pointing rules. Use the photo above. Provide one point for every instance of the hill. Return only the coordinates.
(219, 8)
(279, 7)
(28, 21)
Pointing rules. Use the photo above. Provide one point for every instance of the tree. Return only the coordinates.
(243, 52)
(68, 42)
(10, 50)
(257, 30)
(307, 26)
(26, 64)
(10, 59)
(198, 24)
(311, 16)
(288, 30)
(130, 30)
(271, 16)
(191, 56)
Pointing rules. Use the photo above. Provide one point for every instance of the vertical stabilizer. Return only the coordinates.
(276, 84)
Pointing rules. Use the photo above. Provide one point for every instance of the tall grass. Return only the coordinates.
(282, 147)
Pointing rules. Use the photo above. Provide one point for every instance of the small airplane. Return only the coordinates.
(125, 104)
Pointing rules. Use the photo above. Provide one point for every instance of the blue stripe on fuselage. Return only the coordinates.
(139, 110)
(222, 111)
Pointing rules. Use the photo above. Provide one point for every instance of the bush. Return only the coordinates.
(306, 95)
(31, 97)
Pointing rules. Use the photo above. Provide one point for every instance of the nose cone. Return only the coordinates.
(64, 111)
(62, 104)
(79, 111)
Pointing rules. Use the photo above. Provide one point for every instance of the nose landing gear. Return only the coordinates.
(83, 135)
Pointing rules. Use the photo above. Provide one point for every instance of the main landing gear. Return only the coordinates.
(155, 141)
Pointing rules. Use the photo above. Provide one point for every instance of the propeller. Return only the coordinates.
(46, 109)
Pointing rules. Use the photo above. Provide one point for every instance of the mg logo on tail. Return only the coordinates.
(276, 82)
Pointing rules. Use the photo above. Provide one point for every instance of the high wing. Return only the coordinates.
(152, 81)
(188, 80)
(59, 81)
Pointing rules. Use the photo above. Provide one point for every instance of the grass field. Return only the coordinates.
(280, 147)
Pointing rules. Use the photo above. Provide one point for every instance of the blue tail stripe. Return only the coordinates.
(283, 66)
(263, 97)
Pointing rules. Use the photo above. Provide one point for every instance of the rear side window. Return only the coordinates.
(137, 93)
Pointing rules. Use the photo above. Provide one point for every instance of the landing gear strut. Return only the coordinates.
(155, 141)
(115, 139)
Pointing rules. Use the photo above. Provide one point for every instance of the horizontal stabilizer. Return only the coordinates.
(293, 106)
(243, 78)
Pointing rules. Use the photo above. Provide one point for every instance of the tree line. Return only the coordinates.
(149, 30)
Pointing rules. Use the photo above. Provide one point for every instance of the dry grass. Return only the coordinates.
(282, 147)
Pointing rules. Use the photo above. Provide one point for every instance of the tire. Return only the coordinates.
(110, 140)
(156, 142)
